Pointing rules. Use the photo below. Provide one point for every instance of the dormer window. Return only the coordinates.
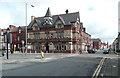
(59, 25)
(36, 27)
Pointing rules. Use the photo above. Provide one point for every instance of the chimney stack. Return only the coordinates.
(32, 18)
(12, 26)
(84, 29)
(66, 11)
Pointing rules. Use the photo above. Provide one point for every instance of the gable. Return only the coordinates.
(77, 23)
(59, 24)
(35, 26)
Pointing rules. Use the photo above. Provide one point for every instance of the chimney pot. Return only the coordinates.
(66, 11)
(32, 18)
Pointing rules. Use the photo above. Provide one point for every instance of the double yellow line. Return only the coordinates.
(97, 71)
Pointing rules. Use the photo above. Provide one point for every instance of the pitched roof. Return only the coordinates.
(60, 18)
(65, 18)
(48, 13)
(16, 29)
(96, 39)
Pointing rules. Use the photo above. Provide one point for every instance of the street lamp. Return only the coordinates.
(26, 25)
(7, 32)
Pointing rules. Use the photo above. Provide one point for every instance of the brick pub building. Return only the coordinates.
(56, 33)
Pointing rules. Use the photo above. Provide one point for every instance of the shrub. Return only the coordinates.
(118, 50)
(0, 49)
(17, 49)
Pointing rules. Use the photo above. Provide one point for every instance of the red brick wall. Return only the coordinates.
(96, 44)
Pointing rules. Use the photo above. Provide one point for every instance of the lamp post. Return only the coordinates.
(7, 32)
(26, 26)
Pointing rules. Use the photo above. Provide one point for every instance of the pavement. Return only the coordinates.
(117, 53)
(18, 57)
(110, 68)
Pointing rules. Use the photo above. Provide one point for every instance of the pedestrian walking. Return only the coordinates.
(11, 50)
(42, 54)
(3, 53)
(80, 51)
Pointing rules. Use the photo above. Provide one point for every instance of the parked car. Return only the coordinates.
(106, 51)
(91, 51)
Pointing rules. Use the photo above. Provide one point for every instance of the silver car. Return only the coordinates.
(106, 51)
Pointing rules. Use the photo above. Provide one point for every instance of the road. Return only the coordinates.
(70, 66)
(78, 65)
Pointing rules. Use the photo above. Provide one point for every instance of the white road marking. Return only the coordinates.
(114, 66)
(111, 58)
(97, 71)
(101, 74)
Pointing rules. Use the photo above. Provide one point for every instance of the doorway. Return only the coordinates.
(47, 47)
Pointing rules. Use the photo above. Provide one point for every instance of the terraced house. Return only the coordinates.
(55, 33)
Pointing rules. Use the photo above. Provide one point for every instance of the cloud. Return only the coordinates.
(14, 12)
(102, 22)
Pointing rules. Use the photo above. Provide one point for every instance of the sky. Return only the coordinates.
(99, 17)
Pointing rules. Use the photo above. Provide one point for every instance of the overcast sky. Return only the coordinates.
(99, 17)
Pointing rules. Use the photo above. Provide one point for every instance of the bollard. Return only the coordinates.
(3, 54)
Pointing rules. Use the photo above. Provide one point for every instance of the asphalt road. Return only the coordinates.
(70, 66)
(78, 65)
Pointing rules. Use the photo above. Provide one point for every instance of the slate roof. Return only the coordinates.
(48, 13)
(65, 18)
(60, 18)
(15, 29)
(96, 39)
